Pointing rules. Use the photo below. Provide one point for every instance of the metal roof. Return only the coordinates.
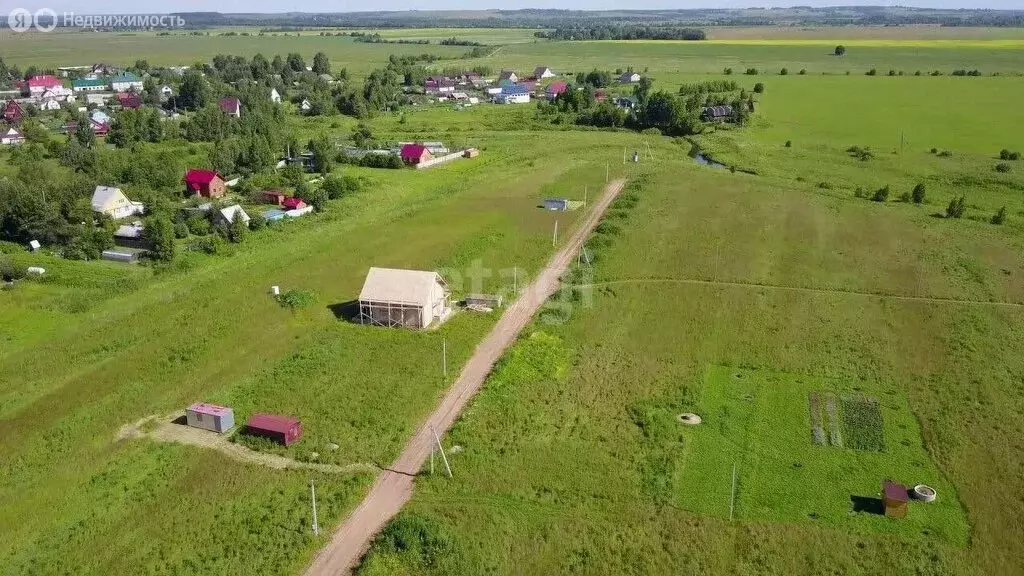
(211, 409)
(272, 422)
(400, 286)
(104, 194)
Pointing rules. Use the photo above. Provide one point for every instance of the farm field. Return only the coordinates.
(571, 457)
(739, 295)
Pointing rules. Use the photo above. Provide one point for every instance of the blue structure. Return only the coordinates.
(556, 204)
(273, 215)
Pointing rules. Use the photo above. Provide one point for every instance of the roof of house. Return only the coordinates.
(718, 111)
(230, 212)
(507, 74)
(515, 89)
(294, 202)
(274, 193)
(129, 100)
(211, 409)
(195, 178)
(539, 70)
(272, 422)
(46, 81)
(82, 82)
(230, 105)
(13, 133)
(413, 151)
(404, 286)
(628, 76)
(556, 87)
(125, 77)
(133, 230)
(102, 196)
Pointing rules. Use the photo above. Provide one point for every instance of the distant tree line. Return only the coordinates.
(622, 32)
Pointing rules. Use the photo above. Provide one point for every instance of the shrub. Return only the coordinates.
(881, 195)
(839, 50)
(803, 71)
(180, 230)
(783, 72)
(825, 185)
(917, 73)
(934, 150)
(11, 271)
(918, 194)
(863, 154)
(1002, 167)
(871, 72)
(420, 542)
(759, 88)
(295, 299)
(956, 207)
(728, 71)
(905, 197)
(198, 225)
(257, 221)
(1005, 154)
(206, 244)
(860, 192)
(751, 72)
(789, 143)
(1000, 216)
(945, 154)
(381, 161)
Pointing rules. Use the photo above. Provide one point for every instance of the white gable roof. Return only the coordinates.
(229, 213)
(400, 286)
(104, 197)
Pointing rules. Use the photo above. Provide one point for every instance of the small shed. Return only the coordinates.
(484, 300)
(413, 154)
(283, 429)
(210, 417)
(894, 498)
(409, 298)
(274, 197)
(471, 153)
(556, 204)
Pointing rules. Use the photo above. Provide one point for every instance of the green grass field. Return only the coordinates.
(572, 460)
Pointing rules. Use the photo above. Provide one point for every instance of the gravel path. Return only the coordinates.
(393, 487)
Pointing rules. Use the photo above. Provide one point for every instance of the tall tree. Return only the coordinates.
(321, 64)
(194, 92)
(159, 231)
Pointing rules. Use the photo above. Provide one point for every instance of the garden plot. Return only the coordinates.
(759, 420)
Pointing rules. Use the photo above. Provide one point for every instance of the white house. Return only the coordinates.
(100, 116)
(125, 82)
(275, 97)
(629, 77)
(112, 202)
(49, 104)
(12, 137)
(98, 99)
(508, 76)
(227, 215)
(166, 91)
(409, 298)
(493, 90)
(59, 93)
(541, 72)
(305, 106)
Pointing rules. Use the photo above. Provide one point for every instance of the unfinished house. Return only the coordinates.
(408, 298)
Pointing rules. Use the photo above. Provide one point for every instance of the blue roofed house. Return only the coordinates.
(126, 82)
(513, 94)
(89, 85)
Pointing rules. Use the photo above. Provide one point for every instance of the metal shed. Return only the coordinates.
(210, 417)
(409, 298)
(556, 204)
(283, 429)
(894, 497)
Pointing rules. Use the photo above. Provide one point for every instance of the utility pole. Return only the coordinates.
(732, 497)
(554, 237)
(316, 526)
(605, 172)
(441, 448)
(444, 358)
(515, 280)
(584, 195)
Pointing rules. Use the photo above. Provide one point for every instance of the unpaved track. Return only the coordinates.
(166, 430)
(393, 487)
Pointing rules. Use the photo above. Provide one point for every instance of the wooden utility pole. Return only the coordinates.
(584, 196)
(732, 497)
(441, 449)
(444, 358)
(316, 525)
(554, 237)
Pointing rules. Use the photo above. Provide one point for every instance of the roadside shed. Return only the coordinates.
(409, 298)
(210, 417)
(894, 497)
(283, 429)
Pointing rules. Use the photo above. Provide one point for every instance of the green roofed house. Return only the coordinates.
(94, 85)
(125, 81)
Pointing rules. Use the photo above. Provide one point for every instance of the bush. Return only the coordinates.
(918, 194)
(206, 244)
(1002, 167)
(728, 71)
(871, 72)
(759, 88)
(180, 230)
(257, 222)
(945, 154)
(905, 197)
(11, 271)
(1005, 154)
(420, 542)
(789, 143)
(198, 225)
(934, 150)
(381, 161)
(892, 72)
(295, 299)
(783, 72)
(860, 192)
(881, 195)
(751, 72)
(863, 154)
(803, 71)
(956, 207)
(999, 217)
(840, 50)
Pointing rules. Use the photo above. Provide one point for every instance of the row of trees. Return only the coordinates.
(623, 32)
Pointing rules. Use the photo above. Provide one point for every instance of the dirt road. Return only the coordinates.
(393, 487)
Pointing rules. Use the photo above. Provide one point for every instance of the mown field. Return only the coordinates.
(736, 296)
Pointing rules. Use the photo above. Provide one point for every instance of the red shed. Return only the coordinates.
(283, 429)
(894, 497)
(293, 203)
(415, 153)
(274, 197)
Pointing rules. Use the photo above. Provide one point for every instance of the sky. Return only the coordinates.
(271, 6)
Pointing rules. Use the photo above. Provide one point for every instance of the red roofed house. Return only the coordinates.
(98, 128)
(206, 183)
(283, 429)
(39, 84)
(293, 203)
(555, 88)
(128, 100)
(274, 197)
(413, 154)
(231, 106)
(13, 112)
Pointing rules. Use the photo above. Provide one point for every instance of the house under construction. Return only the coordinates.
(409, 298)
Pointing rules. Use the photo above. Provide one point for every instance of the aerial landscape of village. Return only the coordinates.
(526, 289)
